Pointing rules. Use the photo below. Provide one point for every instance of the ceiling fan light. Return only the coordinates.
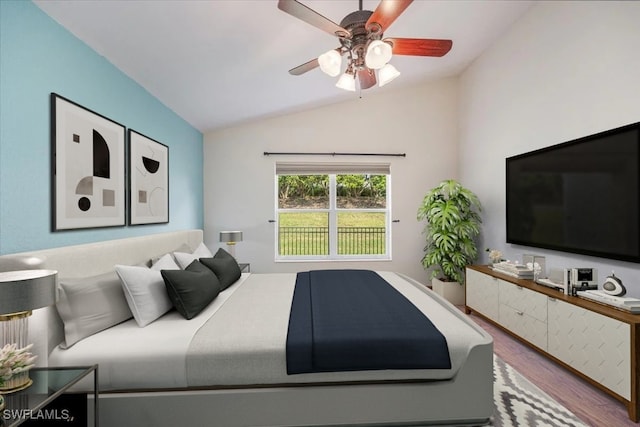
(378, 54)
(330, 62)
(347, 82)
(387, 74)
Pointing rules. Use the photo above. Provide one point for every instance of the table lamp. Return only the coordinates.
(20, 293)
(231, 238)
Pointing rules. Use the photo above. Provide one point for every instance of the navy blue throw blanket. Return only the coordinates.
(353, 320)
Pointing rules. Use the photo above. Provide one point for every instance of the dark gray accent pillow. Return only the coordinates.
(224, 266)
(192, 289)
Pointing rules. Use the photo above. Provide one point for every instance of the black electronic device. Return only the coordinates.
(582, 288)
(584, 277)
(613, 286)
(581, 196)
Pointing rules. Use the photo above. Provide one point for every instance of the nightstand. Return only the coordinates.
(48, 400)
(245, 267)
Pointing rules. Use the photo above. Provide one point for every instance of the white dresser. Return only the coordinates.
(597, 342)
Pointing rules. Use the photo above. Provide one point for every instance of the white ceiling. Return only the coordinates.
(224, 62)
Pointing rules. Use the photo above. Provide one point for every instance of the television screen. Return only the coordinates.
(582, 196)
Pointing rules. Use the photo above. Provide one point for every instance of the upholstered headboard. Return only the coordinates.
(45, 326)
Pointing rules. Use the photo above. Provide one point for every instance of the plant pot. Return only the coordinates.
(451, 291)
(17, 382)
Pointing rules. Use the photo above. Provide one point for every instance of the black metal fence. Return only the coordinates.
(315, 240)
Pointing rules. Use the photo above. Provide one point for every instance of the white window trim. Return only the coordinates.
(333, 211)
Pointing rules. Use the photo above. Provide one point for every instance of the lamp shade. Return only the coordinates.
(26, 290)
(378, 54)
(347, 82)
(387, 74)
(330, 62)
(231, 236)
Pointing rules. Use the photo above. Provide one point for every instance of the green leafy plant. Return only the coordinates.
(453, 220)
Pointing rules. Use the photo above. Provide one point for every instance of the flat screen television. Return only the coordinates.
(581, 196)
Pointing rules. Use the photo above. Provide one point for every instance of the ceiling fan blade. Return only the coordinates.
(420, 47)
(367, 78)
(307, 66)
(387, 12)
(310, 16)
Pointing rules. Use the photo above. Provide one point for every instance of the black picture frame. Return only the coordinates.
(88, 167)
(148, 180)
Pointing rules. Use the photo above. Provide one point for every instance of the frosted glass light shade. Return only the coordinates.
(378, 54)
(330, 62)
(347, 82)
(387, 74)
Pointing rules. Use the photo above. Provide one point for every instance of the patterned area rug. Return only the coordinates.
(519, 403)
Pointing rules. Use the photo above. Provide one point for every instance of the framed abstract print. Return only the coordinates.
(148, 180)
(88, 167)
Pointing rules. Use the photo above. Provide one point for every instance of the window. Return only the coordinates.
(332, 211)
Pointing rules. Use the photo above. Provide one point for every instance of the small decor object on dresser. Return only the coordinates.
(613, 286)
(88, 152)
(495, 256)
(148, 180)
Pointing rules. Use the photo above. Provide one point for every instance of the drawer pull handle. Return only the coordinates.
(519, 287)
(519, 313)
(551, 299)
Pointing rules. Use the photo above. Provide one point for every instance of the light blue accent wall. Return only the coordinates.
(38, 57)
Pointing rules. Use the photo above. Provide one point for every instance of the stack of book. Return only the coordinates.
(520, 271)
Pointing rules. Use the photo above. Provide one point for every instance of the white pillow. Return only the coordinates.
(184, 259)
(145, 290)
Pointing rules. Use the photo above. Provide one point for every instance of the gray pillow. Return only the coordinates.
(225, 266)
(192, 289)
(89, 305)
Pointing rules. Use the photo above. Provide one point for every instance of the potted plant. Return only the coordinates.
(453, 220)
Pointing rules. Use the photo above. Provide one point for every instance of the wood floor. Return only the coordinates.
(591, 405)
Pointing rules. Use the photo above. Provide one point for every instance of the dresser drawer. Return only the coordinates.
(596, 345)
(524, 325)
(482, 294)
(523, 300)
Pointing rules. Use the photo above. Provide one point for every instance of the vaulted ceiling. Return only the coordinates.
(225, 62)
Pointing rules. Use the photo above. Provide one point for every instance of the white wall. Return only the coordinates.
(239, 180)
(565, 70)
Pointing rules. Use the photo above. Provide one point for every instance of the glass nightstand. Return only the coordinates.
(45, 401)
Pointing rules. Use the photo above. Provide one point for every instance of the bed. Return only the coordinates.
(228, 364)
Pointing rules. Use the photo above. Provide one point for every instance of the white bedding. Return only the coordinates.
(244, 344)
(131, 357)
(248, 346)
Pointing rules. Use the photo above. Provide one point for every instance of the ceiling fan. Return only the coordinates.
(360, 35)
